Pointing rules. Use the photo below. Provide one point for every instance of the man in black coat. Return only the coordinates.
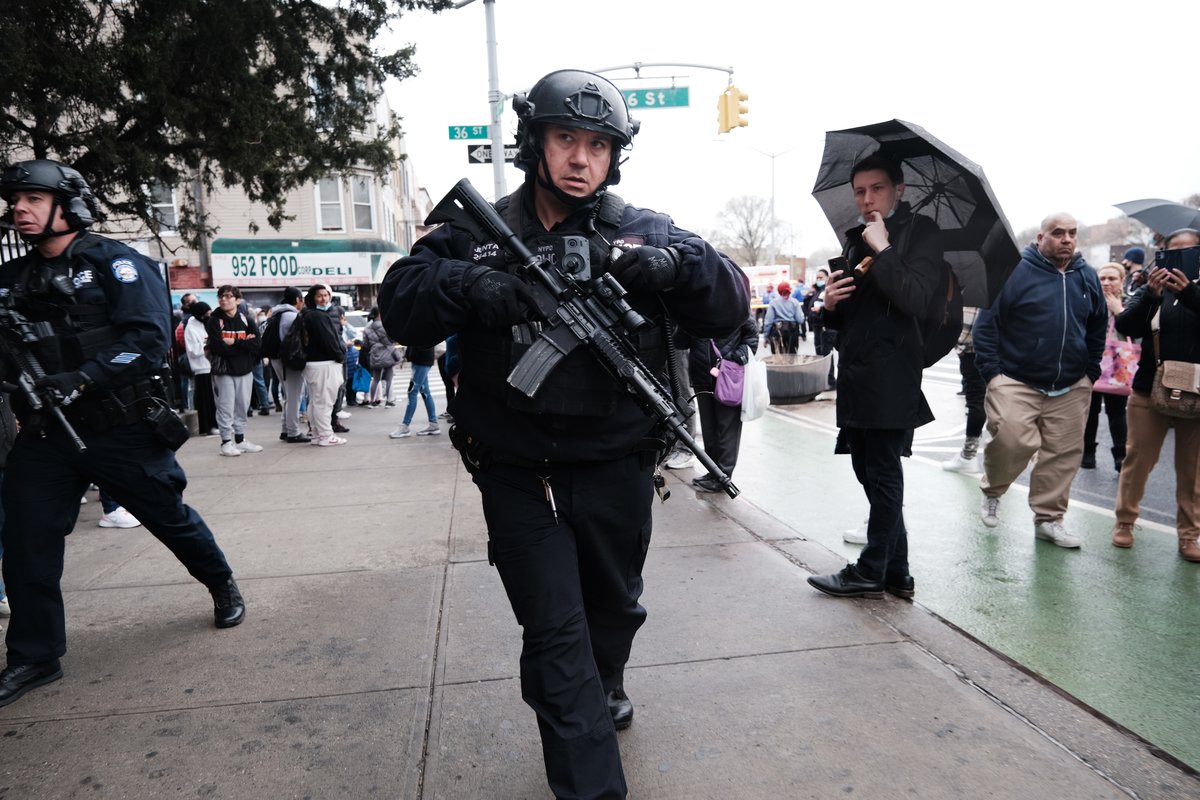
(879, 400)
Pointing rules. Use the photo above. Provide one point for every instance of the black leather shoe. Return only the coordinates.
(621, 709)
(902, 587)
(299, 438)
(340, 428)
(706, 483)
(283, 437)
(1089, 460)
(229, 608)
(18, 679)
(847, 583)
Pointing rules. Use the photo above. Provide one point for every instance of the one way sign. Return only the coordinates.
(482, 153)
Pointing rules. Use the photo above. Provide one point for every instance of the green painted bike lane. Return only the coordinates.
(1118, 629)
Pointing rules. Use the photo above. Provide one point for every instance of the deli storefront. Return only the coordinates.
(262, 267)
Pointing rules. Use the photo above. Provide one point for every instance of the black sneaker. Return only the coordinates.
(18, 679)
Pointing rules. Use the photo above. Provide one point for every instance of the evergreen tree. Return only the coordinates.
(266, 95)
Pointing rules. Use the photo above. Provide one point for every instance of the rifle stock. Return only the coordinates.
(595, 315)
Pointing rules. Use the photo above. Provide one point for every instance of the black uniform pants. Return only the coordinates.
(43, 482)
(722, 428)
(574, 586)
(875, 455)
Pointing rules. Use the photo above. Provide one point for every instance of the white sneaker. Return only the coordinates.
(856, 535)
(343, 415)
(83, 500)
(247, 446)
(1053, 531)
(230, 449)
(989, 511)
(5, 611)
(400, 432)
(967, 466)
(329, 441)
(118, 518)
(680, 459)
(430, 430)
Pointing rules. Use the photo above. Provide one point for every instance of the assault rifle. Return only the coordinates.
(578, 310)
(17, 333)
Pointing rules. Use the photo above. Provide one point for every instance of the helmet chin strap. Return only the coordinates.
(569, 200)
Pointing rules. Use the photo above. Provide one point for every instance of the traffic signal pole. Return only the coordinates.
(495, 100)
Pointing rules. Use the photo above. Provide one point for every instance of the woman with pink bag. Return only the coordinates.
(1117, 368)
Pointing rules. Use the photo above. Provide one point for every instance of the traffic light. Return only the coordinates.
(723, 114)
(735, 107)
(730, 109)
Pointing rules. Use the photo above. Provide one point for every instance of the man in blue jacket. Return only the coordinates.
(1038, 349)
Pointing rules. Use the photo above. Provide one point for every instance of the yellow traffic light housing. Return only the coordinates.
(736, 108)
(723, 113)
(731, 110)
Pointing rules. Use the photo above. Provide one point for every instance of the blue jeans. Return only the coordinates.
(420, 383)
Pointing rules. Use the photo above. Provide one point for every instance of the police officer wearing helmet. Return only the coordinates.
(566, 477)
(109, 312)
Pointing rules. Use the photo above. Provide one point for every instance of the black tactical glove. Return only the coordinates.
(498, 298)
(646, 269)
(65, 383)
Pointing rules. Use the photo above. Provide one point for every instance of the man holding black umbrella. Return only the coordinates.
(876, 312)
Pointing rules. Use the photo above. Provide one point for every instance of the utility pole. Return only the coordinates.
(495, 98)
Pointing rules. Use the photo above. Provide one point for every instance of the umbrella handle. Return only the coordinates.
(864, 265)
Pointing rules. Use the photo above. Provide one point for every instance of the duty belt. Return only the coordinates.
(111, 408)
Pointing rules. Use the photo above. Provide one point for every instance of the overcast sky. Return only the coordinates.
(1066, 105)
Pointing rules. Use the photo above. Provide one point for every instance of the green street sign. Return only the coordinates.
(674, 97)
(468, 132)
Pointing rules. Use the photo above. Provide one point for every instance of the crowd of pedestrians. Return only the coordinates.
(235, 366)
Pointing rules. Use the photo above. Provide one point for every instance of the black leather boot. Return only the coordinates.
(229, 608)
(621, 708)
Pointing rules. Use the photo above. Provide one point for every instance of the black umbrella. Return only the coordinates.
(942, 184)
(1161, 216)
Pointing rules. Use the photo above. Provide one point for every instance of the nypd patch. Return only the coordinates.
(124, 270)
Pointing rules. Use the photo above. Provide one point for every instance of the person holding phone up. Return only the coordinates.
(879, 398)
(1167, 309)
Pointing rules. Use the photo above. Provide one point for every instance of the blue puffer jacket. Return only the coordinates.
(1046, 328)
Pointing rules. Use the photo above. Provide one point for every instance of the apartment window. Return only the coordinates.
(362, 194)
(162, 207)
(329, 205)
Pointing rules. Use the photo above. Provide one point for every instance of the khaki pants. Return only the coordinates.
(1147, 430)
(1023, 421)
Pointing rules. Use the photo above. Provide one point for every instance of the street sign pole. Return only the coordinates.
(495, 100)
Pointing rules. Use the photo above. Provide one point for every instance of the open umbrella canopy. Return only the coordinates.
(1161, 216)
(942, 184)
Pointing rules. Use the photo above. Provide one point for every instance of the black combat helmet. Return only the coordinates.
(574, 99)
(67, 185)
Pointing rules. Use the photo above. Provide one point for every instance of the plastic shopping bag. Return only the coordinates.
(755, 395)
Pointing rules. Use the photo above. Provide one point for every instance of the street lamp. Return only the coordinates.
(495, 98)
(772, 253)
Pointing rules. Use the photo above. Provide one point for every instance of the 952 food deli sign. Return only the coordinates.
(287, 262)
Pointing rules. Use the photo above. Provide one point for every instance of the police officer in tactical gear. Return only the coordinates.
(565, 477)
(109, 314)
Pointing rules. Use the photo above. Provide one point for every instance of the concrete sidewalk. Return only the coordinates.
(379, 659)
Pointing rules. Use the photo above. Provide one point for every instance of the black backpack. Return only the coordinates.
(270, 345)
(941, 329)
(293, 351)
